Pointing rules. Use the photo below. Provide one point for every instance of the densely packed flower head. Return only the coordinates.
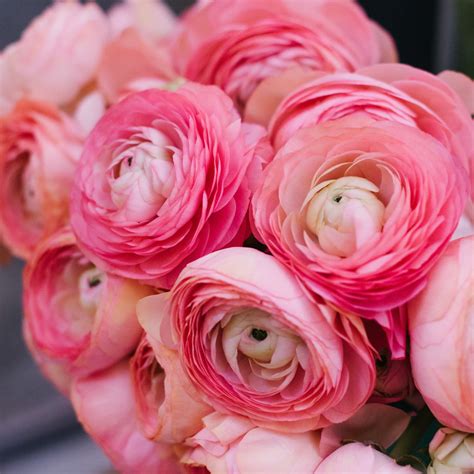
(248, 234)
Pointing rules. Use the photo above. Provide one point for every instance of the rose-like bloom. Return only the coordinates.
(452, 452)
(359, 459)
(234, 445)
(165, 177)
(104, 405)
(394, 92)
(168, 406)
(39, 151)
(360, 210)
(256, 346)
(236, 45)
(148, 66)
(77, 317)
(57, 55)
(153, 19)
(441, 325)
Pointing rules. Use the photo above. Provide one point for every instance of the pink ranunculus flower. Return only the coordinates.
(255, 346)
(153, 19)
(39, 150)
(168, 406)
(441, 324)
(356, 458)
(452, 452)
(165, 178)
(234, 445)
(77, 317)
(148, 66)
(104, 405)
(232, 44)
(360, 210)
(57, 55)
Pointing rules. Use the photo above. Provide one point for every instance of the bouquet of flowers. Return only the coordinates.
(248, 235)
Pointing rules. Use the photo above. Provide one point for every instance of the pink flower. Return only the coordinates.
(394, 92)
(165, 178)
(360, 210)
(147, 66)
(234, 445)
(153, 19)
(57, 55)
(442, 347)
(359, 459)
(39, 151)
(236, 45)
(105, 406)
(78, 319)
(256, 346)
(452, 452)
(168, 406)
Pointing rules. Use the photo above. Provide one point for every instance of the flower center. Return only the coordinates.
(142, 174)
(344, 214)
(90, 288)
(259, 334)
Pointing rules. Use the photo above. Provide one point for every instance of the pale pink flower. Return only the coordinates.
(441, 324)
(39, 150)
(165, 177)
(253, 343)
(355, 458)
(104, 405)
(237, 44)
(360, 210)
(57, 55)
(77, 318)
(234, 445)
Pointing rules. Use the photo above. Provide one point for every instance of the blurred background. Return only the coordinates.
(38, 431)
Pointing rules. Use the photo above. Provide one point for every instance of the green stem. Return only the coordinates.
(407, 443)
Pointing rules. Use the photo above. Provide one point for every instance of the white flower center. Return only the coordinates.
(344, 214)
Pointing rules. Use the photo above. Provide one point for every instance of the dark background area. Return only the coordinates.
(430, 34)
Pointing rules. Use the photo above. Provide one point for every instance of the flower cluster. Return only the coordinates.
(248, 234)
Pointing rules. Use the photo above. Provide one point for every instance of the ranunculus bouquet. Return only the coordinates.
(248, 235)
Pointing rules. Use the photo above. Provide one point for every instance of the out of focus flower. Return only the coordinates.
(78, 319)
(441, 324)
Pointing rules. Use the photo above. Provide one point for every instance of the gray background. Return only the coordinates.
(38, 432)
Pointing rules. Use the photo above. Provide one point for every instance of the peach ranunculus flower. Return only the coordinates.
(234, 445)
(394, 92)
(441, 324)
(148, 66)
(355, 458)
(168, 406)
(77, 318)
(104, 405)
(452, 452)
(39, 150)
(57, 55)
(360, 210)
(165, 177)
(255, 346)
(237, 44)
